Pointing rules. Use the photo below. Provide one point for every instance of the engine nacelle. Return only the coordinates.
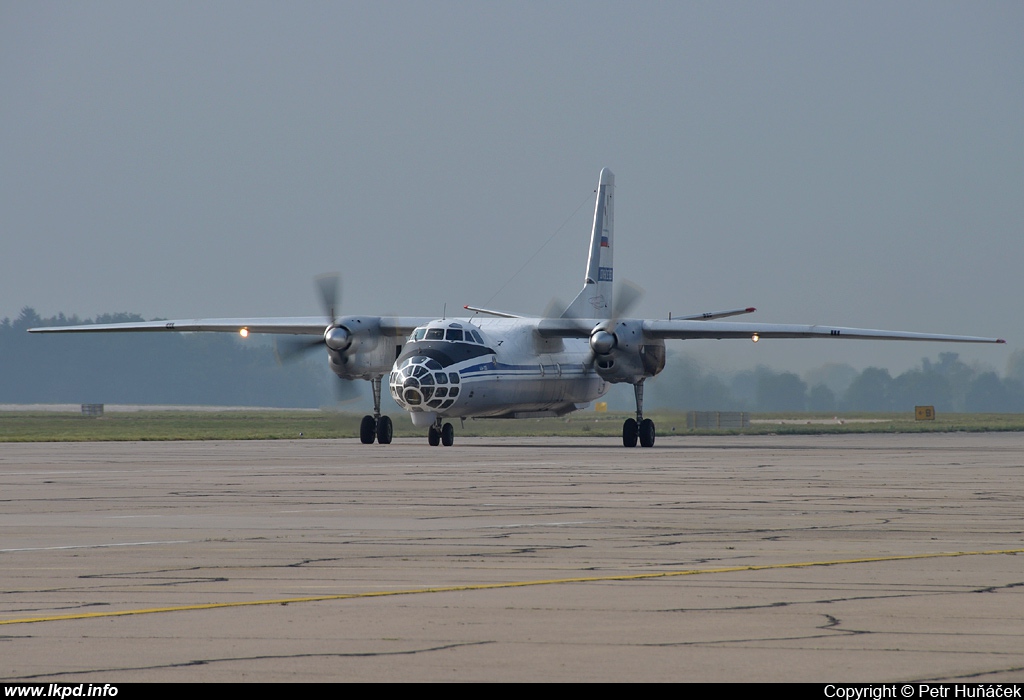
(357, 349)
(623, 354)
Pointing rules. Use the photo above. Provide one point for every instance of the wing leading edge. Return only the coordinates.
(298, 325)
(689, 330)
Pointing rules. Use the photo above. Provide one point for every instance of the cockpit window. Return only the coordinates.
(424, 344)
(454, 332)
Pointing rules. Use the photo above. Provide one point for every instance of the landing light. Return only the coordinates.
(244, 332)
(755, 337)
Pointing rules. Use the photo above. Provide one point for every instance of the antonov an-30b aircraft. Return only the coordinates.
(500, 365)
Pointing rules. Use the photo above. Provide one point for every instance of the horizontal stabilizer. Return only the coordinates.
(711, 315)
(491, 312)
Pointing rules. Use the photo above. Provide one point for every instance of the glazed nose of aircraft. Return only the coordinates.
(421, 383)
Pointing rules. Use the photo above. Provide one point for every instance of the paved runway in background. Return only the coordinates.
(742, 558)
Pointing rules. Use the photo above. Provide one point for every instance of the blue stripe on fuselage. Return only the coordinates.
(497, 368)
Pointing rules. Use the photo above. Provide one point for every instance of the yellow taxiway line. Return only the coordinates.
(507, 584)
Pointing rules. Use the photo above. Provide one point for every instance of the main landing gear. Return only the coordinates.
(640, 428)
(375, 427)
(441, 434)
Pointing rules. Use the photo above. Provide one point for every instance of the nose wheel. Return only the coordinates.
(441, 434)
(638, 429)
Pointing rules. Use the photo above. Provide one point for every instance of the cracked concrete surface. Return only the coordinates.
(110, 527)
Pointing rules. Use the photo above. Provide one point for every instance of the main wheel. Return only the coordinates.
(447, 435)
(629, 433)
(646, 433)
(384, 430)
(367, 430)
(433, 437)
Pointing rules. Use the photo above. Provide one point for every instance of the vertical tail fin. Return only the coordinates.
(595, 300)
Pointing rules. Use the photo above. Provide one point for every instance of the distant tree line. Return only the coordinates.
(151, 368)
(948, 384)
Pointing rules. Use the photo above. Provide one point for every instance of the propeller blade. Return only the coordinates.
(554, 309)
(626, 297)
(291, 349)
(328, 286)
(346, 390)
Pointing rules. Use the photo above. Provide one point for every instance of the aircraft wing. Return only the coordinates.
(298, 325)
(688, 330)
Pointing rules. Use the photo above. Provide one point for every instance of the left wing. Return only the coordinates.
(688, 330)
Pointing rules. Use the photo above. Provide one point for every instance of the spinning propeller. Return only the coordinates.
(602, 338)
(335, 337)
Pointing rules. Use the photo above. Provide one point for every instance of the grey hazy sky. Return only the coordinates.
(858, 164)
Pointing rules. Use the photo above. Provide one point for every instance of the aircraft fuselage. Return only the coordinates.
(491, 368)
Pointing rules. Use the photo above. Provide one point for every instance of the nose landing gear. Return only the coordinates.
(441, 434)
